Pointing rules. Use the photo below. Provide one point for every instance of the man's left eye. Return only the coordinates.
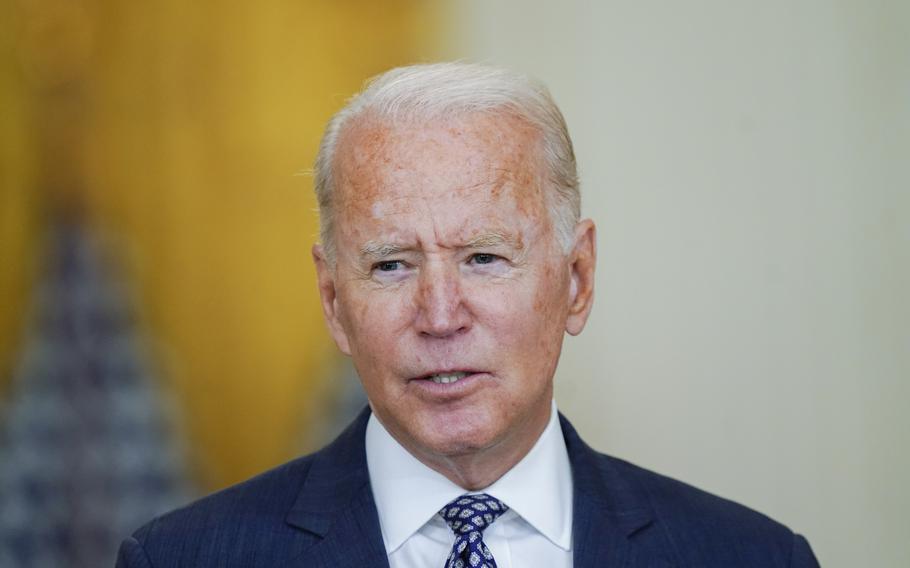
(388, 265)
(483, 258)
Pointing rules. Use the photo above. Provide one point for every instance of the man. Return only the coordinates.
(453, 260)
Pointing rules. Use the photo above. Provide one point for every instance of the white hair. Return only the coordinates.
(436, 90)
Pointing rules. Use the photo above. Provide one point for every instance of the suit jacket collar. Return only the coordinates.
(613, 522)
(336, 504)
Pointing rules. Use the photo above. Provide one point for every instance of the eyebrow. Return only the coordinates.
(379, 250)
(488, 240)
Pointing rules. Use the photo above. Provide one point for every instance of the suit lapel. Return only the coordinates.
(335, 505)
(353, 539)
(613, 523)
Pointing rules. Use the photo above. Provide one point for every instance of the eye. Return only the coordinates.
(388, 265)
(483, 258)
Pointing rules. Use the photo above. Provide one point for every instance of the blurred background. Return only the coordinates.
(747, 163)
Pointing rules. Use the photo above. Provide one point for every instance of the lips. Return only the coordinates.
(450, 386)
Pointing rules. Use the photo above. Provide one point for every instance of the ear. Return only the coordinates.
(328, 294)
(581, 287)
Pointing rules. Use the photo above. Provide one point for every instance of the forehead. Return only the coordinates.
(381, 160)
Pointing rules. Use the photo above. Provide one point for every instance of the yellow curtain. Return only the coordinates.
(179, 129)
(18, 198)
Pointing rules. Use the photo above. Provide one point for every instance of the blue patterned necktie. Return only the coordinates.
(468, 516)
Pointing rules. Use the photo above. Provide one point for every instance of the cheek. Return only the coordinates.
(551, 298)
(373, 320)
(495, 302)
(549, 313)
(529, 310)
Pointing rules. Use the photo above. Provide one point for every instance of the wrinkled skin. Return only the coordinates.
(447, 261)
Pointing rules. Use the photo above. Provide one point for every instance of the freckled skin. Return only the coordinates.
(429, 189)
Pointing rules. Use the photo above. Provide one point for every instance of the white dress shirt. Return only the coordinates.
(536, 531)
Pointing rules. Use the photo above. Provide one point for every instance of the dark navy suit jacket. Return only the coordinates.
(318, 511)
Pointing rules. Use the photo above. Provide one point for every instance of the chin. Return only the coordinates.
(459, 441)
(455, 447)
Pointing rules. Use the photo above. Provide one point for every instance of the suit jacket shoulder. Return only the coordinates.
(279, 518)
(663, 522)
(216, 530)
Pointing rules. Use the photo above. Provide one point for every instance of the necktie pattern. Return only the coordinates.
(468, 516)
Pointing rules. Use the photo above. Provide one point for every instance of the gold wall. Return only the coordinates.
(176, 129)
(17, 192)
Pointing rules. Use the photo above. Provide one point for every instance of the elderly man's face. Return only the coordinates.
(450, 291)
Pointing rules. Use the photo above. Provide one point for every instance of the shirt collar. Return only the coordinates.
(408, 493)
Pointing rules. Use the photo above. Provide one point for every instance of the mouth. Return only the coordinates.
(447, 378)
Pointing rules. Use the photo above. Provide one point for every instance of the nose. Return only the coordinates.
(441, 308)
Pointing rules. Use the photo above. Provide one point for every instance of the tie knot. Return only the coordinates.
(471, 513)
